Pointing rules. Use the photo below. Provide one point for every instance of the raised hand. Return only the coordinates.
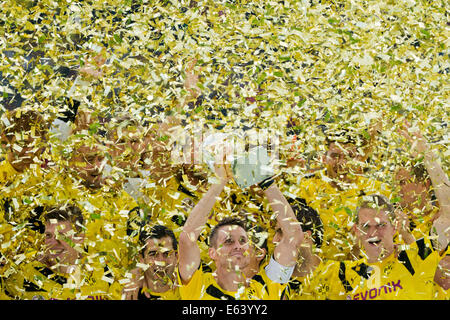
(419, 144)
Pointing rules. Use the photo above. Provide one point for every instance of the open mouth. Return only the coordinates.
(374, 241)
(160, 273)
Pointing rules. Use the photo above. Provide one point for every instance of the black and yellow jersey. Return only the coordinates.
(406, 274)
(146, 294)
(203, 286)
(273, 290)
(35, 281)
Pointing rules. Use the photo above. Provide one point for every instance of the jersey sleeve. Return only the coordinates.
(193, 289)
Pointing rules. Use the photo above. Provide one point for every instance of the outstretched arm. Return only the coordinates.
(440, 181)
(189, 251)
(286, 251)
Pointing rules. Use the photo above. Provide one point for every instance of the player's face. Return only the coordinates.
(232, 248)
(337, 158)
(89, 163)
(376, 233)
(161, 258)
(126, 147)
(412, 193)
(60, 242)
(23, 150)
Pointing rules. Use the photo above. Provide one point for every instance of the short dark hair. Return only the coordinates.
(70, 213)
(22, 120)
(309, 219)
(156, 232)
(228, 221)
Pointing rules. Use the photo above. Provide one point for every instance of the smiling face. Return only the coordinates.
(376, 233)
(160, 256)
(231, 248)
(60, 242)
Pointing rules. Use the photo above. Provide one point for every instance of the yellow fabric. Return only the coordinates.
(3, 295)
(273, 289)
(336, 209)
(423, 223)
(30, 283)
(7, 172)
(105, 212)
(386, 280)
(300, 288)
(19, 195)
(168, 295)
(198, 286)
(19, 189)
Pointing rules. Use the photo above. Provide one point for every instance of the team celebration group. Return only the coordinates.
(117, 121)
(105, 214)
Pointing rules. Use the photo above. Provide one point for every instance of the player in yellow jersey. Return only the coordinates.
(332, 192)
(430, 219)
(24, 133)
(155, 277)
(302, 278)
(23, 138)
(388, 270)
(59, 271)
(230, 249)
(106, 207)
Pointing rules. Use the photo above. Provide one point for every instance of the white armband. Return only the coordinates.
(277, 272)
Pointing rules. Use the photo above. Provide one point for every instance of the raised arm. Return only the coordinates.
(189, 251)
(440, 181)
(190, 84)
(286, 250)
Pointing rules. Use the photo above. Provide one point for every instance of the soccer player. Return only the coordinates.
(387, 270)
(155, 278)
(59, 271)
(333, 191)
(230, 248)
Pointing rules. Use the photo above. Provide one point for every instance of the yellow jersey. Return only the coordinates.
(299, 288)
(34, 281)
(274, 290)
(203, 286)
(168, 295)
(405, 275)
(106, 212)
(441, 293)
(336, 208)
